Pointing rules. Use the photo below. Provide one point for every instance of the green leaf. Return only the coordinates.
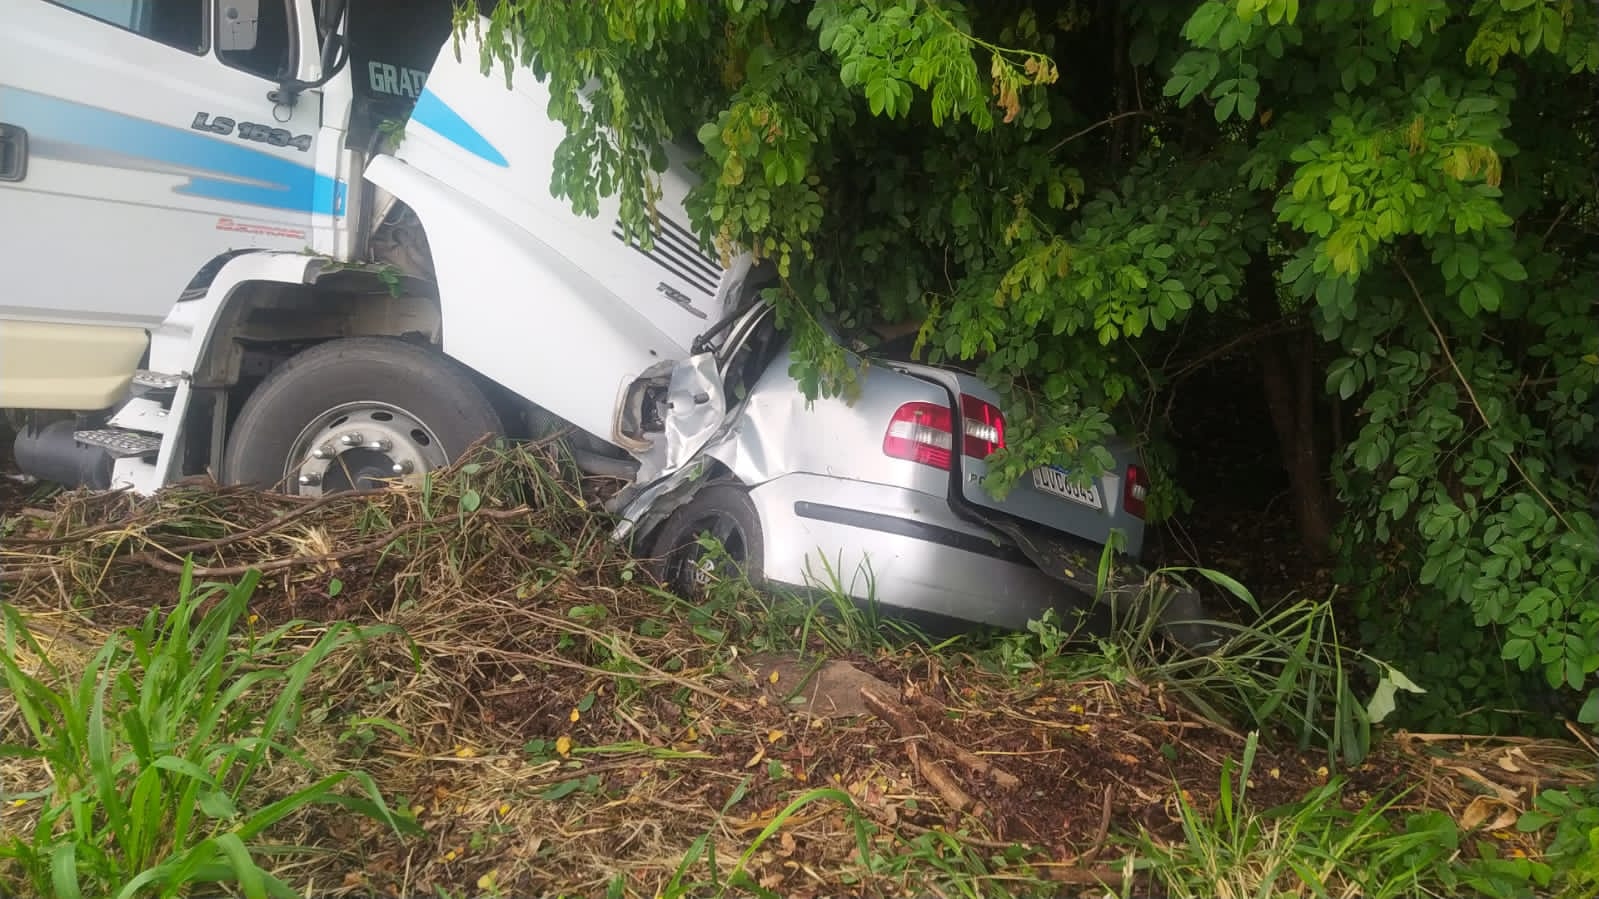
(1430, 570)
(1226, 582)
(562, 789)
(1205, 21)
(218, 804)
(1348, 383)
(1381, 704)
(877, 97)
(1589, 713)
(1575, 674)
(1489, 294)
(1249, 9)
(1518, 650)
(1224, 106)
(1531, 821)
(1400, 680)
(1510, 269)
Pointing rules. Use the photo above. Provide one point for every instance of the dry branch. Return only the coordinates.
(932, 770)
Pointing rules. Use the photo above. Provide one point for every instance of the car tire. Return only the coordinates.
(353, 396)
(726, 512)
(1184, 621)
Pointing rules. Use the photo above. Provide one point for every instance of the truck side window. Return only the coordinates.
(176, 23)
(270, 51)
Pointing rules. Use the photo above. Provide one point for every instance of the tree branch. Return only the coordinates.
(1096, 126)
(1254, 335)
(1472, 394)
(1555, 224)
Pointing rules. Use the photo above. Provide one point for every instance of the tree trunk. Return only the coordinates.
(1288, 369)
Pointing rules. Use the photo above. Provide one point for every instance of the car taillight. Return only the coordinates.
(983, 425)
(1135, 488)
(925, 433)
(921, 433)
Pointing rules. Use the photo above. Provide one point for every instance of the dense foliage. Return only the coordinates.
(1391, 202)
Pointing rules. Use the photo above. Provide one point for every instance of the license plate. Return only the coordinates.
(1056, 482)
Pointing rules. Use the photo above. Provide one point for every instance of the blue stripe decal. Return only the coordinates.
(328, 196)
(240, 174)
(433, 113)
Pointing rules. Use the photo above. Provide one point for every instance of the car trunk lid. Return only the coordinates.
(1048, 495)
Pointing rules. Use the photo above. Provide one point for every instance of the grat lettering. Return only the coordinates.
(396, 81)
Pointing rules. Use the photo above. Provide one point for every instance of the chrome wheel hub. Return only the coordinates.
(705, 572)
(360, 446)
(701, 569)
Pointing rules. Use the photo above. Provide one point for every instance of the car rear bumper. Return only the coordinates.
(904, 548)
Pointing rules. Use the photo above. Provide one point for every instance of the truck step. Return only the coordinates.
(120, 442)
(149, 383)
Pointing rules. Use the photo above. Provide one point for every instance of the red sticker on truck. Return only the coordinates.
(227, 224)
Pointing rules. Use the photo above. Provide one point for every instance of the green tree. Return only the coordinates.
(1392, 203)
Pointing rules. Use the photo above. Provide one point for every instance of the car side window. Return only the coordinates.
(256, 37)
(176, 23)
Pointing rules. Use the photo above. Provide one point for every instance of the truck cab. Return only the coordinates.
(300, 243)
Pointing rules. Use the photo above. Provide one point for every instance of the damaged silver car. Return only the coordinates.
(881, 497)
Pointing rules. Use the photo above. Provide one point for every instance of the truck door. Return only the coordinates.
(139, 142)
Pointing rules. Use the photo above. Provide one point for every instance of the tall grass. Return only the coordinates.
(824, 611)
(1286, 670)
(157, 753)
(1311, 847)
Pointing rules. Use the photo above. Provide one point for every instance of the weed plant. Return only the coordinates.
(163, 755)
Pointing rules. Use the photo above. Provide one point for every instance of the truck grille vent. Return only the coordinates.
(678, 252)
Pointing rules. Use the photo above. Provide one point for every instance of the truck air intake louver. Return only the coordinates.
(678, 252)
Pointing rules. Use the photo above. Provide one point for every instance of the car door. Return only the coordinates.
(140, 142)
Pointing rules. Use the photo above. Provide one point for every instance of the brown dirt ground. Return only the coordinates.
(524, 631)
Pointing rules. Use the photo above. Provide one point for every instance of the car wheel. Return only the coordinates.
(1184, 621)
(350, 414)
(726, 514)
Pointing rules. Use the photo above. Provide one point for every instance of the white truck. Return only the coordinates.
(199, 198)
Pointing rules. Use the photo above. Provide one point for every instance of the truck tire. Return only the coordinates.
(354, 413)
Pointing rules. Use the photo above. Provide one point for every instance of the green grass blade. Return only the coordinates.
(321, 791)
(102, 764)
(782, 817)
(250, 876)
(146, 807)
(64, 871)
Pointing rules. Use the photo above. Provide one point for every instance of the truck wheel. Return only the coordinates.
(349, 414)
(726, 513)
